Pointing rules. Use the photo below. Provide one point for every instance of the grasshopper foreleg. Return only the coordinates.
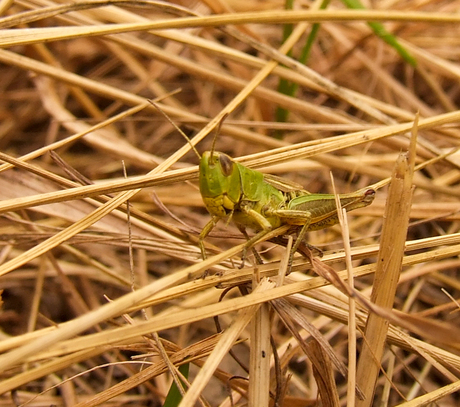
(254, 251)
(260, 222)
(204, 233)
(251, 242)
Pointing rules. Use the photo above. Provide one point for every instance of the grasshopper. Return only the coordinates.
(265, 202)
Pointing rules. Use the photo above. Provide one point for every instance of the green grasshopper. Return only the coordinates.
(265, 202)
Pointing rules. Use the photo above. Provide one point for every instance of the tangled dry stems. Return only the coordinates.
(101, 307)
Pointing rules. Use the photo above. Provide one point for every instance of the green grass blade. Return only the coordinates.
(174, 396)
(286, 87)
(380, 30)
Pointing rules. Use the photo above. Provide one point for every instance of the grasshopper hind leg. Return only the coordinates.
(299, 241)
(304, 247)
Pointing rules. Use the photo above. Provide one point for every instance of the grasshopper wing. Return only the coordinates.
(284, 185)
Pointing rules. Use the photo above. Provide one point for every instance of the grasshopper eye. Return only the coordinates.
(226, 164)
(369, 196)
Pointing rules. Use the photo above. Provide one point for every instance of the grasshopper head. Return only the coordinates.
(220, 183)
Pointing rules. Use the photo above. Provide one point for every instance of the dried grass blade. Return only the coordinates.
(227, 340)
(433, 396)
(259, 365)
(389, 266)
(324, 375)
(37, 35)
(80, 324)
(289, 314)
(180, 357)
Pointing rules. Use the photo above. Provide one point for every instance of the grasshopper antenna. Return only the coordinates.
(176, 127)
(219, 126)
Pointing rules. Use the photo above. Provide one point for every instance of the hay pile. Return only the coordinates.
(105, 303)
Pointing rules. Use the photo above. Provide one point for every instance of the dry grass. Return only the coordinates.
(101, 305)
